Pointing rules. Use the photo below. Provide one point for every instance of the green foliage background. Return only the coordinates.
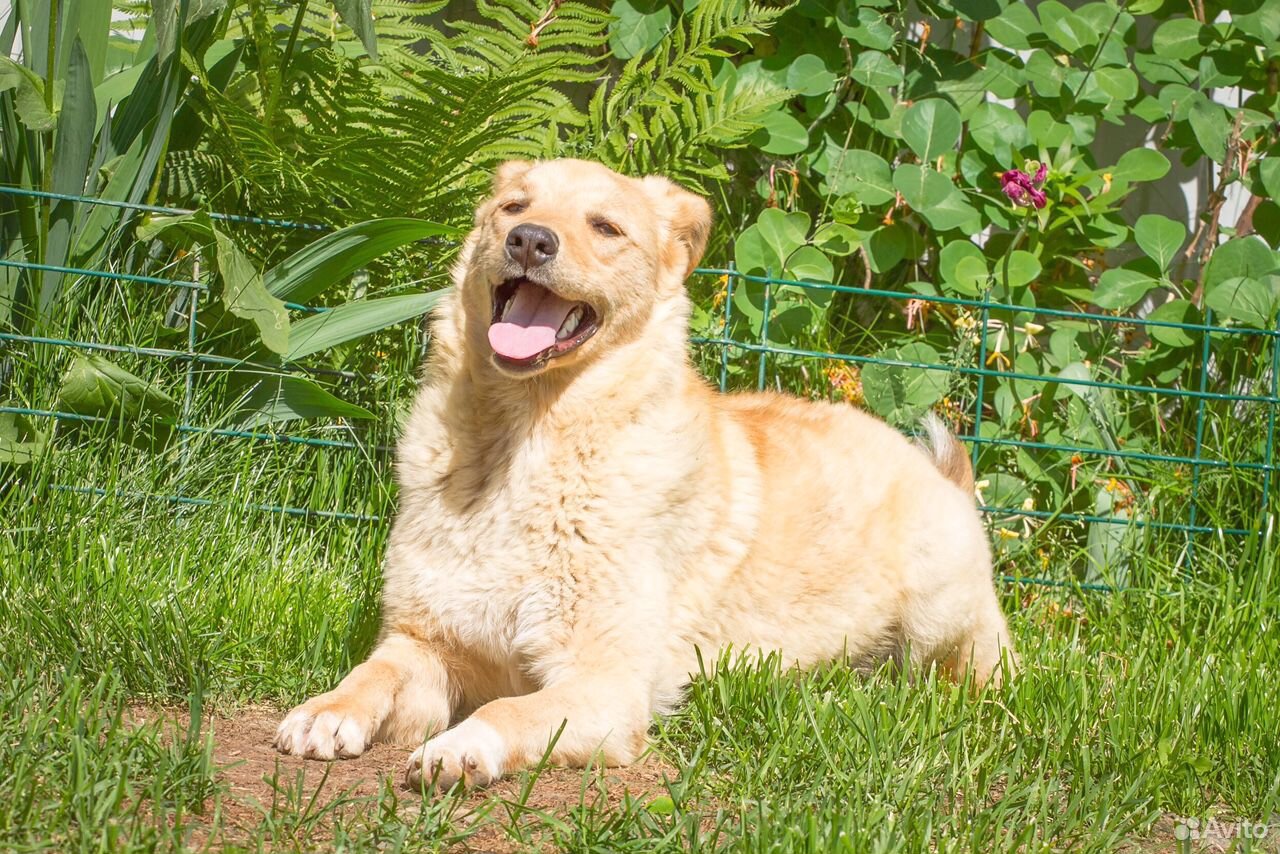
(855, 153)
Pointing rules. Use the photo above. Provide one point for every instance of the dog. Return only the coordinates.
(581, 514)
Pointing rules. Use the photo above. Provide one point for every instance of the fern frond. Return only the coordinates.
(666, 113)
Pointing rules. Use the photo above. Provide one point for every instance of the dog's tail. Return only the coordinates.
(946, 452)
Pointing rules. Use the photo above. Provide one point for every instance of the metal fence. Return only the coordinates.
(737, 354)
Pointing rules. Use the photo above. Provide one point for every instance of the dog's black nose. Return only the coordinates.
(532, 245)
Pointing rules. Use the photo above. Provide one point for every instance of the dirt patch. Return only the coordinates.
(287, 798)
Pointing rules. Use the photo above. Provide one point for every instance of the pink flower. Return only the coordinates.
(1023, 189)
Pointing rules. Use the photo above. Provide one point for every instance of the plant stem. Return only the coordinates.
(293, 38)
(50, 75)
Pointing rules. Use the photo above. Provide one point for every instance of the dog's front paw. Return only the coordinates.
(472, 752)
(325, 727)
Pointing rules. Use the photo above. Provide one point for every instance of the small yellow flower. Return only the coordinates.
(1001, 358)
(722, 291)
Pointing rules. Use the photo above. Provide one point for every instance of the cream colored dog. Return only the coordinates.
(580, 513)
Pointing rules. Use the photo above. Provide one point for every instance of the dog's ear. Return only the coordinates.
(688, 216)
(509, 172)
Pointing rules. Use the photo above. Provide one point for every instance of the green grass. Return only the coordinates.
(1131, 705)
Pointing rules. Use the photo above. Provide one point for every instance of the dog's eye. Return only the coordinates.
(514, 207)
(606, 228)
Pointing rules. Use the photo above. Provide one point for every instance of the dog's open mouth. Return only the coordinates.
(532, 324)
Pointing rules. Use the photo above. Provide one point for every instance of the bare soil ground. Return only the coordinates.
(260, 783)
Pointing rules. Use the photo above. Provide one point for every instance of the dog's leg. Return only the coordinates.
(986, 650)
(600, 715)
(401, 693)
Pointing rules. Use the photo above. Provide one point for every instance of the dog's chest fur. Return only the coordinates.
(514, 530)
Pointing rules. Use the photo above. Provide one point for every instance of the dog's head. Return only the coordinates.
(568, 259)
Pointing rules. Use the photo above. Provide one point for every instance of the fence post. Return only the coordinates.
(184, 418)
(764, 329)
(724, 330)
(1269, 458)
(1194, 513)
(982, 376)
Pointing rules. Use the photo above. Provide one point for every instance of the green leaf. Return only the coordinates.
(335, 256)
(997, 130)
(159, 225)
(864, 26)
(1014, 27)
(1022, 268)
(1245, 299)
(1180, 38)
(901, 393)
(95, 386)
(1141, 164)
(285, 398)
(1266, 222)
(1211, 125)
(1220, 69)
(661, 805)
(963, 268)
(1064, 28)
(886, 247)
(358, 15)
(921, 187)
(1119, 288)
(835, 238)
(1090, 394)
(953, 211)
(72, 148)
(780, 133)
(1160, 238)
(1174, 311)
(979, 10)
(784, 233)
(245, 296)
(768, 243)
(875, 70)
(1109, 546)
(1269, 174)
(355, 320)
(28, 96)
(640, 25)
(1005, 490)
(864, 174)
(808, 75)
(1241, 256)
(1045, 75)
(931, 127)
(19, 444)
(808, 264)
(1120, 84)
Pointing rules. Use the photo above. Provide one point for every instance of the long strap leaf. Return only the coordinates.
(355, 320)
(335, 256)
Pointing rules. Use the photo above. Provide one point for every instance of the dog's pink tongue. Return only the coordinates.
(530, 326)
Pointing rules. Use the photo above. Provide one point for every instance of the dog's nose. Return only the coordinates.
(532, 245)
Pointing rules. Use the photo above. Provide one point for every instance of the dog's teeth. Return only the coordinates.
(506, 309)
(570, 323)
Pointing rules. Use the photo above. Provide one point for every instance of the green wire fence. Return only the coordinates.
(739, 351)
